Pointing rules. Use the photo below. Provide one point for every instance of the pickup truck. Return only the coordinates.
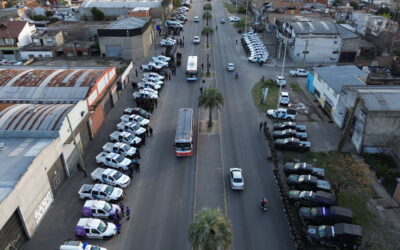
(113, 160)
(126, 137)
(100, 192)
(152, 85)
(286, 114)
(111, 177)
(131, 127)
(298, 72)
(135, 118)
(100, 209)
(95, 228)
(120, 148)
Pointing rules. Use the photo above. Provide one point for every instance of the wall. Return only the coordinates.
(25, 55)
(32, 194)
(24, 37)
(75, 118)
(148, 39)
(325, 93)
(59, 38)
(359, 127)
(351, 44)
(320, 49)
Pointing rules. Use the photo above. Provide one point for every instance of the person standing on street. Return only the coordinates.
(80, 168)
(138, 153)
(151, 131)
(128, 213)
(265, 124)
(130, 173)
(201, 90)
(136, 73)
(121, 205)
(261, 125)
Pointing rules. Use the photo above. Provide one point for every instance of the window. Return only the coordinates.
(335, 52)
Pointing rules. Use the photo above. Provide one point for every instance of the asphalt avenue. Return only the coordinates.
(166, 193)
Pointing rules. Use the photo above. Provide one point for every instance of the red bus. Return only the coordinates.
(184, 133)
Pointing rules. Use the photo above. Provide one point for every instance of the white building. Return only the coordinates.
(326, 84)
(13, 35)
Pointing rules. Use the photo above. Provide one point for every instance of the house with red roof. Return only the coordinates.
(13, 35)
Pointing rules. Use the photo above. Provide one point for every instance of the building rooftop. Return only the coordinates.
(338, 76)
(345, 32)
(314, 27)
(380, 98)
(128, 23)
(129, 4)
(18, 154)
(51, 84)
(11, 28)
(33, 117)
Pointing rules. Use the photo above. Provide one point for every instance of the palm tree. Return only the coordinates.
(210, 230)
(207, 15)
(207, 6)
(206, 32)
(211, 98)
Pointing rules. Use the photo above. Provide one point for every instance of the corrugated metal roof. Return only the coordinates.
(120, 4)
(129, 23)
(338, 76)
(28, 117)
(45, 94)
(314, 27)
(380, 98)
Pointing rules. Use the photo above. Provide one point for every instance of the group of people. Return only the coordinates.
(147, 104)
(119, 214)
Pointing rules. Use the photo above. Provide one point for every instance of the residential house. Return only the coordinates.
(316, 41)
(326, 84)
(44, 44)
(77, 48)
(129, 38)
(376, 124)
(13, 36)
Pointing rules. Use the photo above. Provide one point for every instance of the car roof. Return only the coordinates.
(284, 93)
(237, 172)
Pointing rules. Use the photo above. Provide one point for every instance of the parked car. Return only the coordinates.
(78, 245)
(120, 148)
(144, 95)
(311, 198)
(236, 178)
(111, 177)
(234, 19)
(135, 118)
(284, 98)
(113, 160)
(287, 133)
(298, 72)
(154, 80)
(281, 113)
(99, 209)
(100, 192)
(342, 235)
(326, 215)
(153, 75)
(161, 58)
(289, 125)
(280, 81)
(292, 144)
(303, 168)
(167, 42)
(143, 85)
(308, 182)
(196, 40)
(230, 67)
(131, 127)
(137, 111)
(126, 137)
(95, 228)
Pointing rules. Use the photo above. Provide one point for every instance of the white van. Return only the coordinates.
(78, 245)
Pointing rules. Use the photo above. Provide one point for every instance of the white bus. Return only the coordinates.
(184, 133)
(191, 70)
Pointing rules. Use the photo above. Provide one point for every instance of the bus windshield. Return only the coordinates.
(183, 146)
(191, 70)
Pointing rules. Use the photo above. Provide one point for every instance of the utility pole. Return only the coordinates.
(283, 68)
(245, 23)
(305, 52)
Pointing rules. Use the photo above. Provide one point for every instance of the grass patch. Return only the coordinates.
(358, 204)
(204, 74)
(385, 169)
(296, 87)
(231, 8)
(272, 98)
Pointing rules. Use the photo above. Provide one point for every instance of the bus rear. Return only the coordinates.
(184, 133)
(191, 69)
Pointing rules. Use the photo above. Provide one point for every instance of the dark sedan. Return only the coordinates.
(293, 144)
(303, 168)
(289, 125)
(311, 199)
(287, 133)
(308, 182)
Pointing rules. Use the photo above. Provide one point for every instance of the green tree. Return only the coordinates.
(337, 3)
(207, 31)
(210, 230)
(354, 4)
(176, 3)
(207, 6)
(211, 98)
(98, 15)
(207, 15)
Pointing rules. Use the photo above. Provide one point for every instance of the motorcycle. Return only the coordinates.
(264, 205)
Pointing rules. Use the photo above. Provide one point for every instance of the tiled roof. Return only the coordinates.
(11, 28)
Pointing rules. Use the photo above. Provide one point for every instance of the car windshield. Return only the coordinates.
(125, 147)
(102, 227)
(117, 175)
(120, 158)
(303, 194)
(94, 248)
(322, 231)
(139, 118)
(107, 207)
(130, 137)
(136, 127)
(301, 178)
(237, 180)
(108, 190)
(183, 146)
(314, 211)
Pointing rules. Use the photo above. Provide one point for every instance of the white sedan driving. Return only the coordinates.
(236, 178)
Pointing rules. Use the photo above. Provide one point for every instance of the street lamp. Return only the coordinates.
(245, 23)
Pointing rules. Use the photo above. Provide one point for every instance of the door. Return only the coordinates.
(113, 51)
(56, 176)
(12, 234)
